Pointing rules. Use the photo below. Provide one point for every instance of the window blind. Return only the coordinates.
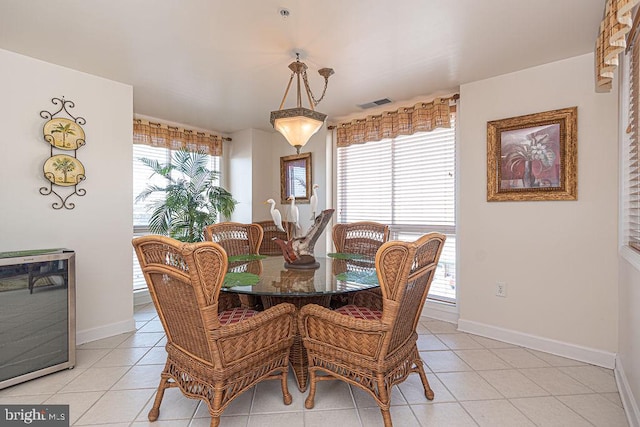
(142, 177)
(365, 182)
(409, 183)
(633, 165)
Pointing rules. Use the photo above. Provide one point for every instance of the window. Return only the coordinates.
(141, 178)
(409, 183)
(631, 190)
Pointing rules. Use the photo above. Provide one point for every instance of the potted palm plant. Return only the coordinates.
(190, 201)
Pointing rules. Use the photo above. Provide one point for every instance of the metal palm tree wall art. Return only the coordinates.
(63, 170)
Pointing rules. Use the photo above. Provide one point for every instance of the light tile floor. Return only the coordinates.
(477, 382)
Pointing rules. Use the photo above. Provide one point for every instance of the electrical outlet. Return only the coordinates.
(501, 289)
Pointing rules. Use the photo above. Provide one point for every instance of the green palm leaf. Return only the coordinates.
(189, 199)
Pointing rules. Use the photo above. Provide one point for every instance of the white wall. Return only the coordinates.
(317, 147)
(266, 174)
(253, 158)
(99, 229)
(239, 174)
(557, 258)
(252, 172)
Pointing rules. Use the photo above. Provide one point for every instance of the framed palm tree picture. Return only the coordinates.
(533, 157)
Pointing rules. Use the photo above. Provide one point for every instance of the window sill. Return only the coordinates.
(441, 311)
(141, 297)
(631, 256)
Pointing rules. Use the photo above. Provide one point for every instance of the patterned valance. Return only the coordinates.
(611, 41)
(174, 138)
(422, 117)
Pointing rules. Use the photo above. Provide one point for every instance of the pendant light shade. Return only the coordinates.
(298, 124)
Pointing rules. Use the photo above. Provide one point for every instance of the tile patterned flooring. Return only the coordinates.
(477, 382)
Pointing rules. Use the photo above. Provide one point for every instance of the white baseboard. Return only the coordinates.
(572, 351)
(105, 331)
(626, 395)
(141, 297)
(440, 311)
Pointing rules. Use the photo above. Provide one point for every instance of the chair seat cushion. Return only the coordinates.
(235, 315)
(360, 312)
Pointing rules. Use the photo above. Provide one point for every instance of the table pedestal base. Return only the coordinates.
(298, 355)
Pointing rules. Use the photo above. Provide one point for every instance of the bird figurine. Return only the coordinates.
(275, 215)
(298, 252)
(313, 201)
(294, 212)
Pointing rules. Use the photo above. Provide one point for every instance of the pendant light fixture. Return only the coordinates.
(298, 124)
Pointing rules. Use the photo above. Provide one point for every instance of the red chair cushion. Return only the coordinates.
(360, 312)
(235, 315)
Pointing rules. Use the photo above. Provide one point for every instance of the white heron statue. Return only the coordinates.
(275, 215)
(313, 201)
(294, 212)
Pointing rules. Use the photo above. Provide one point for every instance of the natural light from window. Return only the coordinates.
(142, 177)
(409, 183)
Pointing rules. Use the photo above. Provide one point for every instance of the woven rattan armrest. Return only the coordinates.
(269, 315)
(324, 330)
(324, 314)
(255, 338)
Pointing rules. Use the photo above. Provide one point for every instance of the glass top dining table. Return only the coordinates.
(333, 276)
(269, 280)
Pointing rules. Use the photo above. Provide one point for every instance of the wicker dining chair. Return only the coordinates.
(362, 238)
(372, 349)
(268, 246)
(236, 239)
(210, 356)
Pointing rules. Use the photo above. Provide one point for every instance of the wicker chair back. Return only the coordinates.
(235, 238)
(268, 246)
(178, 292)
(364, 237)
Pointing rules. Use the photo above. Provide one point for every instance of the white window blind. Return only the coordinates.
(407, 182)
(142, 177)
(632, 164)
(365, 182)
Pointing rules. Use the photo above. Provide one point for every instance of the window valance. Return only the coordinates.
(174, 138)
(611, 41)
(422, 117)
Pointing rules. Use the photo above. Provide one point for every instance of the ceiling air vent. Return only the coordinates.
(375, 103)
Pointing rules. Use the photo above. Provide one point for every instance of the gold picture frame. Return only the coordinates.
(533, 157)
(295, 177)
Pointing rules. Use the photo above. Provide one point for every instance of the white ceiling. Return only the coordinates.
(222, 65)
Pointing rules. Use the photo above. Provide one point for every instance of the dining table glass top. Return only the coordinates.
(269, 276)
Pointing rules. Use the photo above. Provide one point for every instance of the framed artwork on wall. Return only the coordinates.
(295, 177)
(533, 157)
(63, 170)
